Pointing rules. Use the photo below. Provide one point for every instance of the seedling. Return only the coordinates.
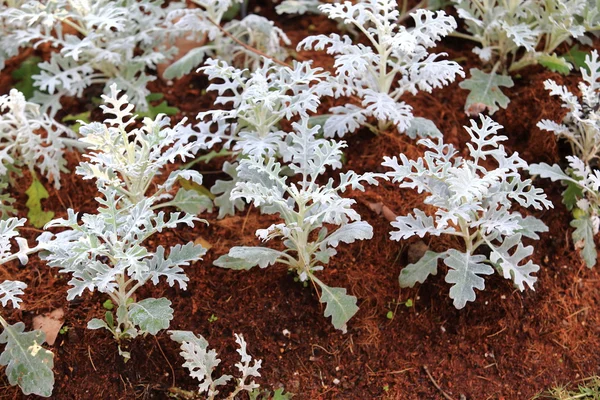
(473, 203)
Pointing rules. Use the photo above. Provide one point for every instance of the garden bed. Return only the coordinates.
(505, 345)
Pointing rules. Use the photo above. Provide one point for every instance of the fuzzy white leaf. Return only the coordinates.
(420, 271)
(464, 275)
(151, 315)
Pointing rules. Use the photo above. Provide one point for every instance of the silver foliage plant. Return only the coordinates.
(396, 61)
(514, 34)
(203, 25)
(27, 363)
(30, 138)
(473, 202)
(202, 362)
(106, 251)
(100, 41)
(581, 129)
(305, 206)
(258, 102)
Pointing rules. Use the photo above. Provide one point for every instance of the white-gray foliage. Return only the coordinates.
(581, 125)
(473, 202)
(257, 102)
(582, 196)
(97, 41)
(27, 363)
(30, 138)
(203, 25)
(581, 128)
(395, 61)
(304, 205)
(514, 34)
(106, 251)
(202, 361)
(300, 7)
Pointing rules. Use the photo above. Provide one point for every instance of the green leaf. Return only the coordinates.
(27, 363)
(23, 76)
(583, 237)
(108, 304)
(110, 320)
(340, 306)
(151, 315)
(185, 64)
(576, 57)
(572, 193)
(233, 10)
(419, 271)
(464, 276)
(200, 189)
(485, 92)
(35, 194)
(162, 108)
(83, 117)
(280, 395)
(192, 202)
(555, 63)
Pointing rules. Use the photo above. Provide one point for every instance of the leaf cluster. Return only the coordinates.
(396, 61)
(472, 198)
(305, 205)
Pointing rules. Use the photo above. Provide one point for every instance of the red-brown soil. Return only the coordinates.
(505, 345)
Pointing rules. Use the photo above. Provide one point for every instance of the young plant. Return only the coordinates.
(259, 101)
(396, 62)
(581, 125)
(30, 138)
(201, 362)
(27, 363)
(305, 206)
(581, 128)
(515, 34)
(103, 41)
(299, 7)
(107, 251)
(472, 198)
(237, 42)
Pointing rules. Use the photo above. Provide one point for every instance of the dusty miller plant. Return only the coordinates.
(396, 61)
(30, 138)
(27, 363)
(513, 34)
(305, 206)
(202, 362)
(472, 198)
(258, 101)
(581, 129)
(100, 41)
(106, 251)
(236, 42)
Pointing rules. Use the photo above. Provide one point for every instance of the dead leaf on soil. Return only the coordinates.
(381, 209)
(475, 109)
(203, 242)
(50, 324)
